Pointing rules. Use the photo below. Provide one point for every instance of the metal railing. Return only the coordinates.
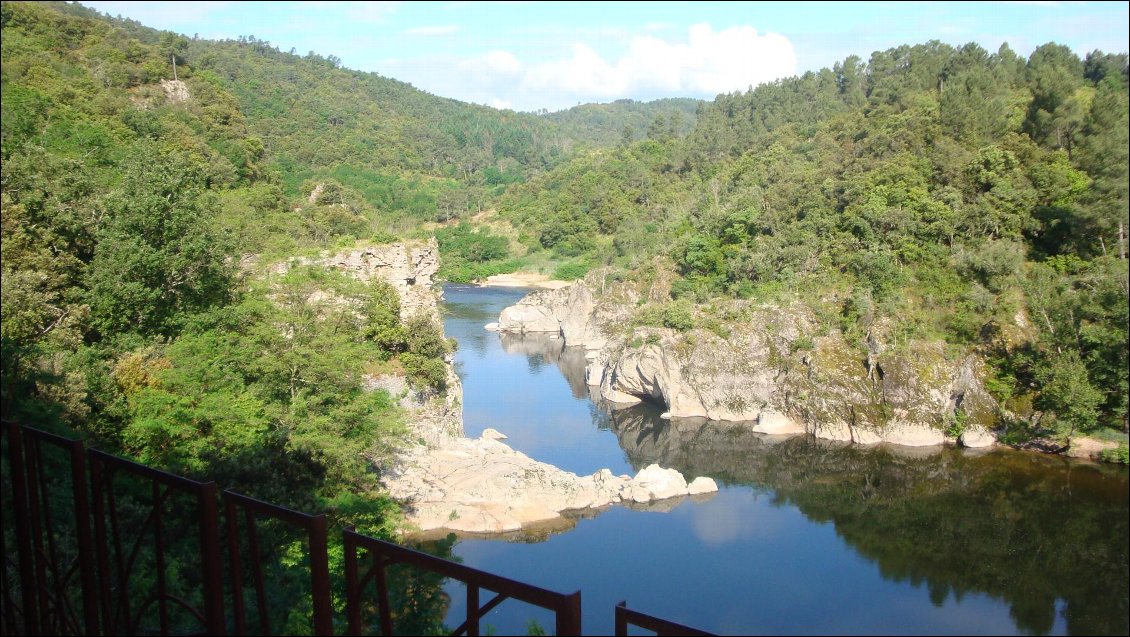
(315, 528)
(59, 577)
(123, 610)
(567, 608)
(57, 551)
(626, 616)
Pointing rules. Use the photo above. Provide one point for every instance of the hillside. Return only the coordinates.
(143, 220)
(929, 194)
(627, 120)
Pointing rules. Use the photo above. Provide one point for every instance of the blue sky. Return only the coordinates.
(532, 55)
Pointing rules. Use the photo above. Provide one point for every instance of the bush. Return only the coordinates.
(1121, 455)
(679, 316)
(424, 373)
(570, 271)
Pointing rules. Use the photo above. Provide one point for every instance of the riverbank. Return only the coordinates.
(525, 280)
(774, 370)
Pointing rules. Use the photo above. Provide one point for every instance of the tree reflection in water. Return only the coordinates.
(1027, 529)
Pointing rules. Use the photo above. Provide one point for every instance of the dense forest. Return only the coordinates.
(948, 193)
(139, 216)
(942, 193)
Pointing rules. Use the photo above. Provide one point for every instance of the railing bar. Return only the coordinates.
(513, 588)
(257, 573)
(487, 607)
(320, 576)
(123, 577)
(97, 480)
(622, 619)
(54, 565)
(169, 479)
(290, 516)
(209, 525)
(352, 590)
(82, 531)
(158, 500)
(180, 601)
(35, 492)
(23, 540)
(381, 563)
(652, 623)
(231, 517)
(569, 615)
(472, 622)
(159, 541)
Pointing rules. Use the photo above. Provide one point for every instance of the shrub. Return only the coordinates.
(1121, 455)
(679, 316)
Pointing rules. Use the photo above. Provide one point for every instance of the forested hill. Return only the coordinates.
(932, 192)
(627, 120)
(140, 215)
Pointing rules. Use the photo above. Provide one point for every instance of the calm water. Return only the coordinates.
(804, 536)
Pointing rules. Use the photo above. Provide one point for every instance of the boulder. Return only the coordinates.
(976, 438)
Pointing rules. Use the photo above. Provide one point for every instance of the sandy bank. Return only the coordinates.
(525, 280)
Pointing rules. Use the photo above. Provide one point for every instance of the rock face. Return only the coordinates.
(484, 486)
(175, 90)
(768, 371)
(411, 269)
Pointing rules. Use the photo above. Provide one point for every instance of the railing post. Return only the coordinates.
(472, 610)
(85, 537)
(352, 586)
(210, 553)
(621, 619)
(23, 539)
(569, 616)
(320, 577)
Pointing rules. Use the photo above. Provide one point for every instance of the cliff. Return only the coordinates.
(768, 370)
(451, 483)
(411, 269)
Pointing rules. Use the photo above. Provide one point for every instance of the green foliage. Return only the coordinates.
(679, 315)
(939, 191)
(1120, 455)
(571, 271)
(957, 424)
(469, 254)
(156, 259)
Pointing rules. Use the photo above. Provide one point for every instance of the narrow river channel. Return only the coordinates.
(804, 536)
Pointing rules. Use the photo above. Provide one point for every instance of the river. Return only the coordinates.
(804, 536)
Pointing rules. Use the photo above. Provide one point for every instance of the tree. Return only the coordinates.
(157, 257)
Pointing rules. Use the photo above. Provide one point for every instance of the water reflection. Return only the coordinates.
(806, 536)
(1029, 530)
(540, 349)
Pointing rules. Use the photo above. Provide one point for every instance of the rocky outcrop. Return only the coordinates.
(770, 372)
(484, 486)
(411, 269)
(175, 90)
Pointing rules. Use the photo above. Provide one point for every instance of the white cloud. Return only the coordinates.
(441, 29)
(168, 14)
(703, 63)
(373, 12)
(708, 62)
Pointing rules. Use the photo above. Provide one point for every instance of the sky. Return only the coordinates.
(553, 55)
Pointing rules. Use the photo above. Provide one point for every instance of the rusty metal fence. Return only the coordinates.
(94, 544)
(627, 617)
(567, 608)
